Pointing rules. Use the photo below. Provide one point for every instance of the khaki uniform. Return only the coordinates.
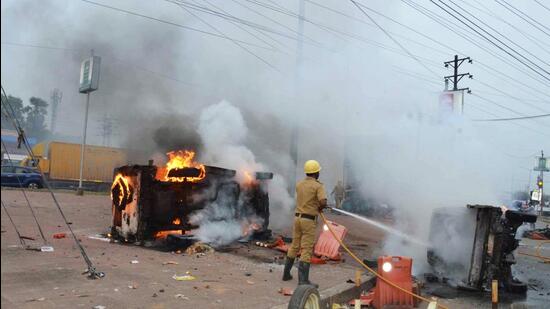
(308, 194)
(338, 193)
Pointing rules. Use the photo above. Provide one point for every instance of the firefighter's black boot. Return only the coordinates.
(303, 274)
(288, 266)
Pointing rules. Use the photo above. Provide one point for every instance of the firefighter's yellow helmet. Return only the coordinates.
(311, 167)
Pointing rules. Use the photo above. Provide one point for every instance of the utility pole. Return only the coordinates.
(453, 100)
(456, 77)
(297, 97)
(107, 125)
(541, 167)
(55, 98)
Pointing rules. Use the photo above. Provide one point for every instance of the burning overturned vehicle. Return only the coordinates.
(474, 246)
(151, 202)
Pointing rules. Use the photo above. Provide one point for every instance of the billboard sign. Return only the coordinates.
(89, 74)
(451, 102)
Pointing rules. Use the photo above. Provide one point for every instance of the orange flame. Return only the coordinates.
(177, 221)
(163, 234)
(247, 229)
(177, 160)
(124, 187)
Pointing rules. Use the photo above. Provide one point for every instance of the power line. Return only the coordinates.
(273, 20)
(386, 17)
(232, 18)
(392, 38)
(537, 1)
(505, 107)
(175, 24)
(499, 33)
(522, 32)
(512, 96)
(491, 41)
(224, 35)
(421, 34)
(517, 12)
(246, 30)
(439, 19)
(514, 118)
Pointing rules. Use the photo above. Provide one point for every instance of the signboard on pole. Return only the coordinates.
(451, 102)
(89, 74)
(542, 166)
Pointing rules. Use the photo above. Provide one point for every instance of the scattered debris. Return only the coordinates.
(248, 274)
(286, 291)
(134, 262)
(170, 263)
(27, 238)
(46, 249)
(100, 237)
(250, 282)
(99, 307)
(37, 299)
(538, 234)
(181, 296)
(59, 235)
(186, 277)
(133, 286)
(198, 247)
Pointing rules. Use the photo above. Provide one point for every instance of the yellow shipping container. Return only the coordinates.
(61, 161)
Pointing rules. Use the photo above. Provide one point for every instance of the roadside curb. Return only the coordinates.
(341, 293)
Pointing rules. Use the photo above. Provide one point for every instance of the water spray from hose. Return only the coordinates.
(385, 228)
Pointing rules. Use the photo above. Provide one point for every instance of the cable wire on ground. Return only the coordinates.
(27, 199)
(14, 226)
(92, 272)
(374, 272)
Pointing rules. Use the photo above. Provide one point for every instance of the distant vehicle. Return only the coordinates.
(17, 176)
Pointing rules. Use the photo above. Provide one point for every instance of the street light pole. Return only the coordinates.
(89, 81)
(80, 190)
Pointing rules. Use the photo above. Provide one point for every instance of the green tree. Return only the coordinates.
(17, 108)
(35, 121)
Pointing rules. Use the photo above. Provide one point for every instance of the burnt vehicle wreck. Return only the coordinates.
(474, 245)
(151, 202)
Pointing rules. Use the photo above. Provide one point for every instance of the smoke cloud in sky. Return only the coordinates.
(169, 87)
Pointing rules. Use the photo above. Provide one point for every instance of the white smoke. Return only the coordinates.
(224, 133)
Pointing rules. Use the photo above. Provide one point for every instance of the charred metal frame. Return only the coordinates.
(492, 248)
(143, 205)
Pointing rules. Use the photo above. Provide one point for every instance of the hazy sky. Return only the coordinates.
(352, 73)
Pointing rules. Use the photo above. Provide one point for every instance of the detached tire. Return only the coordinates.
(305, 297)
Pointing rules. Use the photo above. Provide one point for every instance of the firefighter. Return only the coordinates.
(310, 200)
(338, 193)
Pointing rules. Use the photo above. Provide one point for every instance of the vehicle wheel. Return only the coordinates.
(305, 297)
(33, 185)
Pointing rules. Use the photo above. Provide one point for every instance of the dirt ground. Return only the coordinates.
(239, 276)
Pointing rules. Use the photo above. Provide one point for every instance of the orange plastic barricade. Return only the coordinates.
(396, 269)
(326, 245)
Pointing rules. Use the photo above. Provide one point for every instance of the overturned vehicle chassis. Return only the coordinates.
(144, 207)
(489, 237)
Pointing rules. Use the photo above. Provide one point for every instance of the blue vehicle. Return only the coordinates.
(17, 176)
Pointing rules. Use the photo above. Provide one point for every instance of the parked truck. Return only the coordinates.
(60, 162)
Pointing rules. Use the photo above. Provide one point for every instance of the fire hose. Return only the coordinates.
(538, 253)
(374, 272)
